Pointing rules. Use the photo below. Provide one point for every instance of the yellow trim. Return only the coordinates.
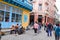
(12, 5)
(25, 24)
(0, 0)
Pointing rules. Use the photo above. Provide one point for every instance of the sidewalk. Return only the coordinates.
(29, 35)
(4, 30)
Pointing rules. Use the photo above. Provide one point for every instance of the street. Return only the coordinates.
(18, 15)
(29, 35)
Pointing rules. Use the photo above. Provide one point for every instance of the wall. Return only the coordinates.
(8, 24)
(25, 18)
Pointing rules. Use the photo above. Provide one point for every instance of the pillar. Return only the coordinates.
(10, 17)
(36, 17)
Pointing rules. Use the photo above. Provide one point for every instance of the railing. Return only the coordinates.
(18, 3)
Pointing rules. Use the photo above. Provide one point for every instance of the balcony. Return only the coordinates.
(55, 7)
(19, 3)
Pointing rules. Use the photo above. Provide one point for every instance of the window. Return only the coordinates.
(20, 18)
(17, 10)
(1, 15)
(54, 0)
(20, 12)
(7, 17)
(22, 0)
(13, 17)
(7, 8)
(16, 17)
(40, 7)
(31, 0)
(47, 9)
(46, 4)
(2, 6)
(14, 9)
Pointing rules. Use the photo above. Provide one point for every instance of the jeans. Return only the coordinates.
(16, 31)
(35, 30)
(12, 31)
(56, 37)
(49, 32)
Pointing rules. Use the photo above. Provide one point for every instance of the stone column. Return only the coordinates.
(36, 17)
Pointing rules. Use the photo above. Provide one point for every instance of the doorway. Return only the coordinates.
(31, 19)
(40, 18)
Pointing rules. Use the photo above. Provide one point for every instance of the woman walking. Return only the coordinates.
(35, 27)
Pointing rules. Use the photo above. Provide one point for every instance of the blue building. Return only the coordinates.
(13, 12)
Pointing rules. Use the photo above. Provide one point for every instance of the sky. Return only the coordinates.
(58, 6)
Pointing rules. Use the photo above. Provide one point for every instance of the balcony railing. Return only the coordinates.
(19, 4)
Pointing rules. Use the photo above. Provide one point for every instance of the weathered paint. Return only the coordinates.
(25, 12)
(22, 5)
(10, 5)
(25, 24)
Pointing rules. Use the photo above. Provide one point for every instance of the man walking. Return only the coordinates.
(49, 29)
(57, 31)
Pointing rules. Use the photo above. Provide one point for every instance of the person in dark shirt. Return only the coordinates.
(21, 30)
(16, 28)
(49, 28)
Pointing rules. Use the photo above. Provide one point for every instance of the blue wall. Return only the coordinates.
(19, 3)
(8, 24)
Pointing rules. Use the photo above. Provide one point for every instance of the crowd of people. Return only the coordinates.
(48, 27)
(17, 29)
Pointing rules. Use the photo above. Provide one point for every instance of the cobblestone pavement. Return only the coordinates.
(29, 35)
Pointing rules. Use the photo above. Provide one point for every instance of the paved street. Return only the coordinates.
(26, 14)
(29, 35)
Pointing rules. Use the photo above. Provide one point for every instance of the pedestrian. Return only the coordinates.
(46, 25)
(49, 29)
(12, 29)
(39, 27)
(57, 31)
(35, 27)
(54, 25)
(21, 30)
(16, 28)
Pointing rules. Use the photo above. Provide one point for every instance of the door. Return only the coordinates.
(40, 18)
(31, 19)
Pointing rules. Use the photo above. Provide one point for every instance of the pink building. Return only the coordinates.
(43, 10)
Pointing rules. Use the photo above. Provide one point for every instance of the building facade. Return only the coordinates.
(43, 10)
(14, 12)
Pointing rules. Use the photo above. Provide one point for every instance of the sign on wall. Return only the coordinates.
(25, 18)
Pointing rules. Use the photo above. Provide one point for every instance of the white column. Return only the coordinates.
(10, 17)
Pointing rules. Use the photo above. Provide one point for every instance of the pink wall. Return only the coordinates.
(50, 7)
